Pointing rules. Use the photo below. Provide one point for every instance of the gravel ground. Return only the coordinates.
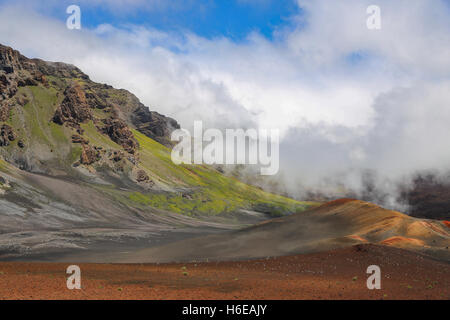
(337, 274)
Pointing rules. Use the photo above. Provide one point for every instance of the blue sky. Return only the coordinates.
(234, 19)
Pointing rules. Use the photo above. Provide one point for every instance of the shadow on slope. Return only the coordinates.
(336, 224)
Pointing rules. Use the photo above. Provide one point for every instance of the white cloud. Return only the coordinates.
(345, 98)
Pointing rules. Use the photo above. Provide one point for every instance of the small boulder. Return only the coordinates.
(79, 139)
(6, 135)
(142, 176)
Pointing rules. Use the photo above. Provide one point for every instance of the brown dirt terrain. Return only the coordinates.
(336, 274)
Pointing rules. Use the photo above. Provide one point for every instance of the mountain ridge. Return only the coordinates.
(79, 155)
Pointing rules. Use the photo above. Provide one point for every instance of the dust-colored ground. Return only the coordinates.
(336, 224)
(337, 274)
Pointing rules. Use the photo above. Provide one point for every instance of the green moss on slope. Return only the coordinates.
(213, 193)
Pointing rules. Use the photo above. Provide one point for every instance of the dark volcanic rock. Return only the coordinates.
(119, 132)
(5, 107)
(11, 60)
(89, 155)
(117, 156)
(142, 176)
(79, 139)
(154, 125)
(17, 70)
(59, 69)
(6, 135)
(74, 108)
(95, 101)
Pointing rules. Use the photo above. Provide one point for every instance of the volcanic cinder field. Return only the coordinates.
(87, 178)
(336, 274)
(322, 253)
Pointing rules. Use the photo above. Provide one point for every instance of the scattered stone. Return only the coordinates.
(117, 156)
(187, 196)
(4, 110)
(89, 155)
(142, 176)
(74, 108)
(22, 100)
(79, 139)
(6, 135)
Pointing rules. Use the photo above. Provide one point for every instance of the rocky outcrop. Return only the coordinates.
(12, 61)
(15, 71)
(74, 109)
(7, 135)
(142, 176)
(154, 125)
(114, 112)
(95, 101)
(59, 69)
(5, 107)
(89, 155)
(76, 138)
(117, 156)
(120, 133)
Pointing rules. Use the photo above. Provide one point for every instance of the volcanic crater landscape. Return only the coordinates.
(86, 178)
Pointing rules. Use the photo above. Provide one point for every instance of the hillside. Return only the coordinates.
(337, 224)
(76, 154)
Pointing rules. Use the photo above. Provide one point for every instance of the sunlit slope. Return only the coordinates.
(192, 190)
(208, 191)
(371, 223)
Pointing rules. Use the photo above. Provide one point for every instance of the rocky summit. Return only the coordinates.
(76, 100)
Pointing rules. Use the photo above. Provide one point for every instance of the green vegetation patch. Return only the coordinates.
(213, 193)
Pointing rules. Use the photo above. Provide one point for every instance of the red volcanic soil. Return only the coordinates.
(338, 202)
(337, 274)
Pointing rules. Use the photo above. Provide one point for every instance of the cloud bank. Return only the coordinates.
(351, 103)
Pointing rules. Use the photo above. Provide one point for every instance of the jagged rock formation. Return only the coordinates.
(89, 155)
(119, 132)
(142, 176)
(74, 109)
(16, 71)
(153, 124)
(6, 135)
(78, 101)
